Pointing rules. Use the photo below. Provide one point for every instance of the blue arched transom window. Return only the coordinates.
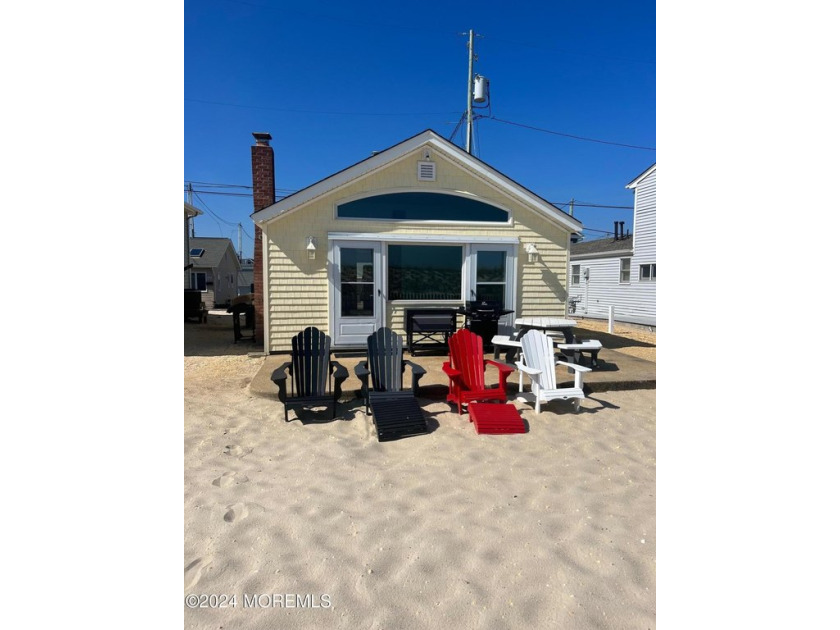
(421, 206)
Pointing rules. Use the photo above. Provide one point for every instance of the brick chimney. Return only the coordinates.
(262, 171)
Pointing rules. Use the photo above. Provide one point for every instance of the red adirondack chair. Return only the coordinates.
(466, 369)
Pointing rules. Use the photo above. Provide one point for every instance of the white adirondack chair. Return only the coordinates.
(538, 362)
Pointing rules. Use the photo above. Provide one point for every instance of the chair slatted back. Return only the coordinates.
(310, 362)
(385, 352)
(466, 354)
(538, 353)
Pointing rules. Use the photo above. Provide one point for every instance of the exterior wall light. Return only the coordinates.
(310, 247)
(531, 249)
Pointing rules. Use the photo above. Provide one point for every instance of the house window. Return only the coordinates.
(647, 273)
(490, 277)
(414, 206)
(624, 274)
(197, 252)
(198, 280)
(425, 272)
(575, 274)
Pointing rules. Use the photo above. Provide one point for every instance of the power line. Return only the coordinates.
(595, 230)
(214, 185)
(217, 217)
(568, 135)
(588, 205)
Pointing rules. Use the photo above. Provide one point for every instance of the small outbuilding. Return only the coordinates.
(214, 271)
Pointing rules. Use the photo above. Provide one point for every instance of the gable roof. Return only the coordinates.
(214, 251)
(398, 151)
(601, 247)
(641, 176)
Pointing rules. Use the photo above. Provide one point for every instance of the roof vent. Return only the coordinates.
(426, 171)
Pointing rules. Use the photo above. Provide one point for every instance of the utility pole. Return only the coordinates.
(190, 201)
(240, 242)
(470, 97)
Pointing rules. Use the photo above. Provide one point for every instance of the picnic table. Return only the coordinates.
(570, 347)
(524, 324)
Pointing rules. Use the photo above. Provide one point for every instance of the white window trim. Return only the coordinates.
(651, 277)
(386, 289)
(469, 242)
(418, 238)
(629, 271)
(572, 276)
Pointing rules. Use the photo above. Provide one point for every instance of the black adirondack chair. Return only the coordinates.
(311, 370)
(396, 413)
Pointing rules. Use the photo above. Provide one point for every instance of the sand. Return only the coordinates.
(552, 528)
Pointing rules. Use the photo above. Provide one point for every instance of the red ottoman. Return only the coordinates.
(495, 418)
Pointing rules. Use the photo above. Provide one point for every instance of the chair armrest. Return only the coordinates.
(417, 372)
(338, 370)
(279, 377)
(281, 373)
(575, 366)
(450, 371)
(528, 370)
(340, 375)
(501, 366)
(361, 370)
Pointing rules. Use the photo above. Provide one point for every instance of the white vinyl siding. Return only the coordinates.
(298, 289)
(633, 301)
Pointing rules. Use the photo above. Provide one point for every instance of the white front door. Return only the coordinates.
(492, 271)
(357, 301)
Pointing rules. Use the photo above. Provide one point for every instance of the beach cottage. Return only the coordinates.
(214, 271)
(423, 224)
(620, 272)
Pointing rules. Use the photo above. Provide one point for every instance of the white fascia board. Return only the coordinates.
(617, 253)
(418, 238)
(632, 185)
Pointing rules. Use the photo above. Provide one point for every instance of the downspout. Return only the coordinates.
(568, 274)
(266, 340)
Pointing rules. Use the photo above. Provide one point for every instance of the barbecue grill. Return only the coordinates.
(482, 318)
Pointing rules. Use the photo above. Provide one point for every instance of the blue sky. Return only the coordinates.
(333, 81)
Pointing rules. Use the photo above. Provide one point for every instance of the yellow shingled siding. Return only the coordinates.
(298, 288)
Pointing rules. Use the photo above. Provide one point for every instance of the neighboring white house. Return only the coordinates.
(190, 212)
(620, 271)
